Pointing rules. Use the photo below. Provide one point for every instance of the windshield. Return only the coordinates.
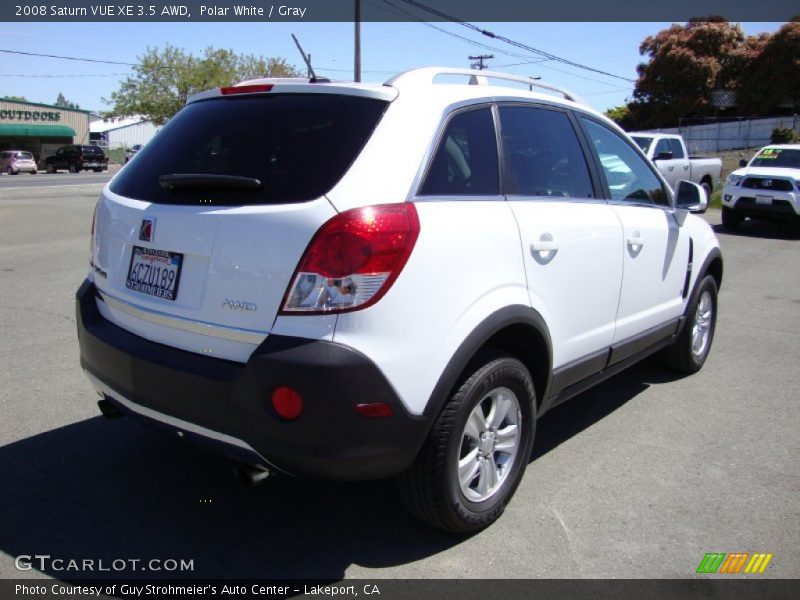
(297, 146)
(642, 142)
(777, 157)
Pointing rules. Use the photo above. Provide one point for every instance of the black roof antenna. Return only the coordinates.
(312, 77)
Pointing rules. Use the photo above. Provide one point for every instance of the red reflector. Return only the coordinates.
(287, 402)
(245, 89)
(374, 410)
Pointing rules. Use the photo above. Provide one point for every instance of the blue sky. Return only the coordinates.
(387, 48)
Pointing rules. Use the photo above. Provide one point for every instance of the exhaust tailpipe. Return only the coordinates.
(109, 409)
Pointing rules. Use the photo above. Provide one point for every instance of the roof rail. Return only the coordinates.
(426, 76)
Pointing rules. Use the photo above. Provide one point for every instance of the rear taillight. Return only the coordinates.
(353, 260)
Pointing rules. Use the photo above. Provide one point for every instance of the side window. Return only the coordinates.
(542, 154)
(60, 152)
(629, 176)
(677, 149)
(465, 164)
(662, 147)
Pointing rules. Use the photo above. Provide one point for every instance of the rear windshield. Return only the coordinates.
(91, 150)
(643, 142)
(297, 146)
(25, 155)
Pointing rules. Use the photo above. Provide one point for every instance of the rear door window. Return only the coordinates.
(465, 163)
(543, 156)
(297, 146)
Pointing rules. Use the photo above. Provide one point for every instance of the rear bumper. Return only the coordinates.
(226, 404)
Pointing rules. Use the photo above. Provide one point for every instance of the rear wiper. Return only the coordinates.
(177, 181)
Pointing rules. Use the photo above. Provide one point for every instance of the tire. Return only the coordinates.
(466, 432)
(10, 171)
(50, 168)
(98, 170)
(73, 168)
(730, 219)
(689, 352)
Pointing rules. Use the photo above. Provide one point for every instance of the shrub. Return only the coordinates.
(784, 135)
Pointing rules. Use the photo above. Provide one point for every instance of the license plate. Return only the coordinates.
(92, 165)
(154, 272)
(763, 199)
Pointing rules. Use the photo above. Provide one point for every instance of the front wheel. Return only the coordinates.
(689, 352)
(477, 450)
(50, 168)
(73, 168)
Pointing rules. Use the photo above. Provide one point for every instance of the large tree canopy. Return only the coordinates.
(164, 79)
(686, 63)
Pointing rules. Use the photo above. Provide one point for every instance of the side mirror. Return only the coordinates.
(743, 162)
(663, 156)
(691, 197)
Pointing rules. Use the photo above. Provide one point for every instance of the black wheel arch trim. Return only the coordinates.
(714, 254)
(517, 314)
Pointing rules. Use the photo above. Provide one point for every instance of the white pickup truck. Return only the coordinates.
(669, 154)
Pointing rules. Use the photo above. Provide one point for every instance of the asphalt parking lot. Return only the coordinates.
(638, 478)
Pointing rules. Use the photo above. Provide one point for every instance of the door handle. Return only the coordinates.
(544, 245)
(545, 249)
(686, 168)
(635, 244)
(671, 168)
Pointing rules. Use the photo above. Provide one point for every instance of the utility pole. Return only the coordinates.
(479, 60)
(357, 57)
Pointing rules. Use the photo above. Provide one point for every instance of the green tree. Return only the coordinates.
(685, 62)
(64, 103)
(770, 81)
(621, 115)
(15, 98)
(164, 79)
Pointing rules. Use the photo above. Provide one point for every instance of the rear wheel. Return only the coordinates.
(477, 451)
(73, 168)
(10, 171)
(689, 352)
(730, 219)
(97, 169)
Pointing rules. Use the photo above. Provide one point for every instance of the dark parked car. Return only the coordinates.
(77, 158)
(131, 152)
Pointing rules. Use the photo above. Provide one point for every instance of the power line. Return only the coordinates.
(91, 60)
(60, 75)
(511, 42)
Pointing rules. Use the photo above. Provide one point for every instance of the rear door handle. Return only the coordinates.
(671, 168)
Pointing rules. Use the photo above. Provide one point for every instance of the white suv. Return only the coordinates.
(346, 281)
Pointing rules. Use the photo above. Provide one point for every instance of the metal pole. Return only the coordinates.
(357, 58)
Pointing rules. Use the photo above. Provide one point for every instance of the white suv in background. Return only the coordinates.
(347, 281)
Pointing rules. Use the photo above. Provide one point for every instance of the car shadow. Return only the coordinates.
(567, 420)
(109, 490)
(769, 230)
